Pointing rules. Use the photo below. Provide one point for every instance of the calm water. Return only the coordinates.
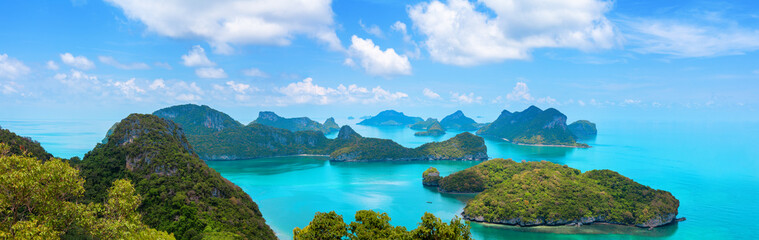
(713, 169)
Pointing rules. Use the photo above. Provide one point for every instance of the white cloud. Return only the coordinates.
(680, 39)
(157, 84)
(459, 33)
(520, 93)
(11, 68)
(464, 98)
(52, 65)
(239, 87)
(630, 102)
(430, 94)
(254, 72)
(78, 80)
(129, 89)
(9, 87)
(132, 66)
(225, 22)
(548, 101)
(306, 92)
(196, 57)
(373, 29)
(80, 62)
(210, 72)
(401, 27)
(164, 65)
(378, 62)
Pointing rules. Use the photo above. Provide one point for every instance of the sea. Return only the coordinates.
(711, 167)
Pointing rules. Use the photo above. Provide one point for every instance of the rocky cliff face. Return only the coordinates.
(657, 221)
(198, 120)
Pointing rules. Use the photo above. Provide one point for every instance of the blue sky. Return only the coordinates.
(673, 60)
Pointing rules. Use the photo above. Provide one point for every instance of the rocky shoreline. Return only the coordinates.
(346, 158)
(658, 221)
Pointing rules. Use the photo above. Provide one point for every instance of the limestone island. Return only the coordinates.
(532, 126)
(549, 194)
(430, 177)
(390, 118)
(433, 129)
(459, 121)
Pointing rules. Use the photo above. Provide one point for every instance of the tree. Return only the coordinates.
(324, 226)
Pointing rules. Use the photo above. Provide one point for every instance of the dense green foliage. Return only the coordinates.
(39, 201)
(532, 126)
(19, 145)
(390, 118)
(431, 177)
(423, 125)
(180, 193)
(433, 129)
(198, 120)
(464, 146)
(370, 225)
(537, 193)
(330, 125)
(459, 122)
(583, 129)
(295, 124)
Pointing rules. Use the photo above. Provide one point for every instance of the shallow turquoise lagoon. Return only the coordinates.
(712, 168)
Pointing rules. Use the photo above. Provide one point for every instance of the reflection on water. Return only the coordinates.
(592, 229)
(269, 166)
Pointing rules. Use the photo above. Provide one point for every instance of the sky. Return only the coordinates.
(591, 59)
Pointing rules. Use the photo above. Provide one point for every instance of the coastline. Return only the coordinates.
(544, 145)
(278, 156)
(539, 222)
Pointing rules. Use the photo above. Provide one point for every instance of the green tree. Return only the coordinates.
(324, 226)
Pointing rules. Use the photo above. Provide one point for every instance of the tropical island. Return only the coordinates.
(423, 125)
(545, 193)
(257, 140)
(583, 129)
(433, 129)
(532, 126)
(390, 118)
(296, 124)
(459, 121)
(431, 177)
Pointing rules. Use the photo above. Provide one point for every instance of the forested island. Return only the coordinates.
(256, 140)
(532, 126)
(583, 129)
(459, 121)
(296, 124)
(545, 193)
(390, 118)
(432, 129)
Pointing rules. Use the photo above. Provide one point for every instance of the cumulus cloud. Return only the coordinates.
(240, 87)
(307, 92)
(78, 80)
(254, 72)
(375, 61)
(520, 93)
(373, 29)
(11, 68)
(196, 57)
(80, 62)
(430, 94)
(679, 39)
(210, 72)
(157, 84)
(52, 65)
(225, 22)
(465, 98)
(460, 32)
(129, 89)
(131, 66)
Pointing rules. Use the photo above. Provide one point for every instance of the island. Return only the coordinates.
(390, 118)
(296, 124)
(431, 177)
(583, 129)
(532, 126)
(257, 140)
(423, 125)
(544, 193)
(433, 130)
(459, 121)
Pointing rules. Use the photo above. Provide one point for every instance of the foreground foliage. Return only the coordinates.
(537, 193)
(373, 225)
(19, 145)
(39, 201)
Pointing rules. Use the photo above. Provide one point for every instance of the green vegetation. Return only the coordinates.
(180, 193)
(583, 129)
(295, 124)
(433, 130)
(40, 201)
(465, 146)
(423, 125)
(198, 120)
(459, 122)
(390, 118)
(532, 126)
(19, 145)
(544, 193)
(370, 225)
(431, 177)
(330, 125)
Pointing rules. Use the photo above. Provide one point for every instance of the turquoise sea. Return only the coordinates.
(712, 168)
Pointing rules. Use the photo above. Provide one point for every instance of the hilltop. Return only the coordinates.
(180, 193)
(390, 118)
(583, 129)
(296, 124)
(532, 126)
(198, 120)
(423, 125)
(459, 121)
(433, 130)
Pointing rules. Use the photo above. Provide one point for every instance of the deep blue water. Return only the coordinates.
(712, 168)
